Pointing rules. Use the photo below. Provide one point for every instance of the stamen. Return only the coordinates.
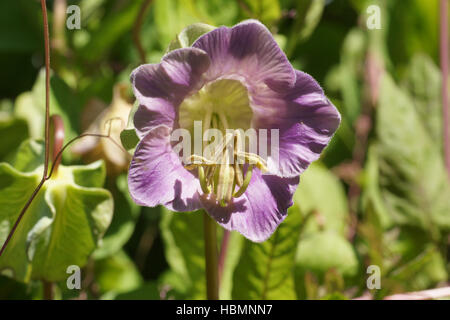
(238, 173)
(218, 173)
(196, 160)
(203, 183)
(220, 149)
(243, 188)
(252, 158)
(225, 181)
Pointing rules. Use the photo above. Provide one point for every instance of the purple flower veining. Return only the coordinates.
(231, 78)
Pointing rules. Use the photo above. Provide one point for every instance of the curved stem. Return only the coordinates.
(47, 174)
(47, 127)
(211, 258)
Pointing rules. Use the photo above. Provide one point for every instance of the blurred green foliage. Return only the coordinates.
(399, 219)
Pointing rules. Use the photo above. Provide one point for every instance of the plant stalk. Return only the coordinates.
(223, 253)
(48, 290)
(444, 69)
(211, 258)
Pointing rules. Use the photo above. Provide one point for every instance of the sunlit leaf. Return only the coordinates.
(117, 274)
(123, 223)
(322, 254)
(31, 106)
(412, 177)
(324, 250)
(188, 35)
(266, 270)
(172, 16)
(423, 80)
(184, 249)
(322, 195)
(267, 11)
(63, 225)
(148, 291)
(16, 130)
(183, 240)
(128, 136)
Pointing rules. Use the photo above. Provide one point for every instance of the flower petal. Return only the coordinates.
(156, 175)
(160, 88)
(247, 50)
(306, 120)
(259, 211)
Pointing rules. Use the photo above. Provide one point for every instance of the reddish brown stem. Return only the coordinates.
(57, 126)
(56, 158)
(48, 290)
(47, 88)
(444, 69)
(47, 126)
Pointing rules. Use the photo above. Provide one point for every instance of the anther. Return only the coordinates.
(243, 188)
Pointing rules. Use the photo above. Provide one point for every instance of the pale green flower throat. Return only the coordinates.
(224, 109)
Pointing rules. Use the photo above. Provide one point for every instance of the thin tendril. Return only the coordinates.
(47, 174)
(47, 127)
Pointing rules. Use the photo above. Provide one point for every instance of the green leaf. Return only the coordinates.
(29, 156)
(321, 251)
(266, 270)
(16, 130)
(31, 106)
(188, 35)
(324, 258)
(309, 13)
(13, 290)
(129, 139)
(117, 274)
(114, 25)
(172, 16)
(128, 136)
(184, 249)
(126, 213)
(232, 257)
(423, 271)
(148, 291)
(62, 226)
(321, 194)
(185, 253)
(90, 175)
(334, 296)
(423, 80)
(267, 11)
(412, 178)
